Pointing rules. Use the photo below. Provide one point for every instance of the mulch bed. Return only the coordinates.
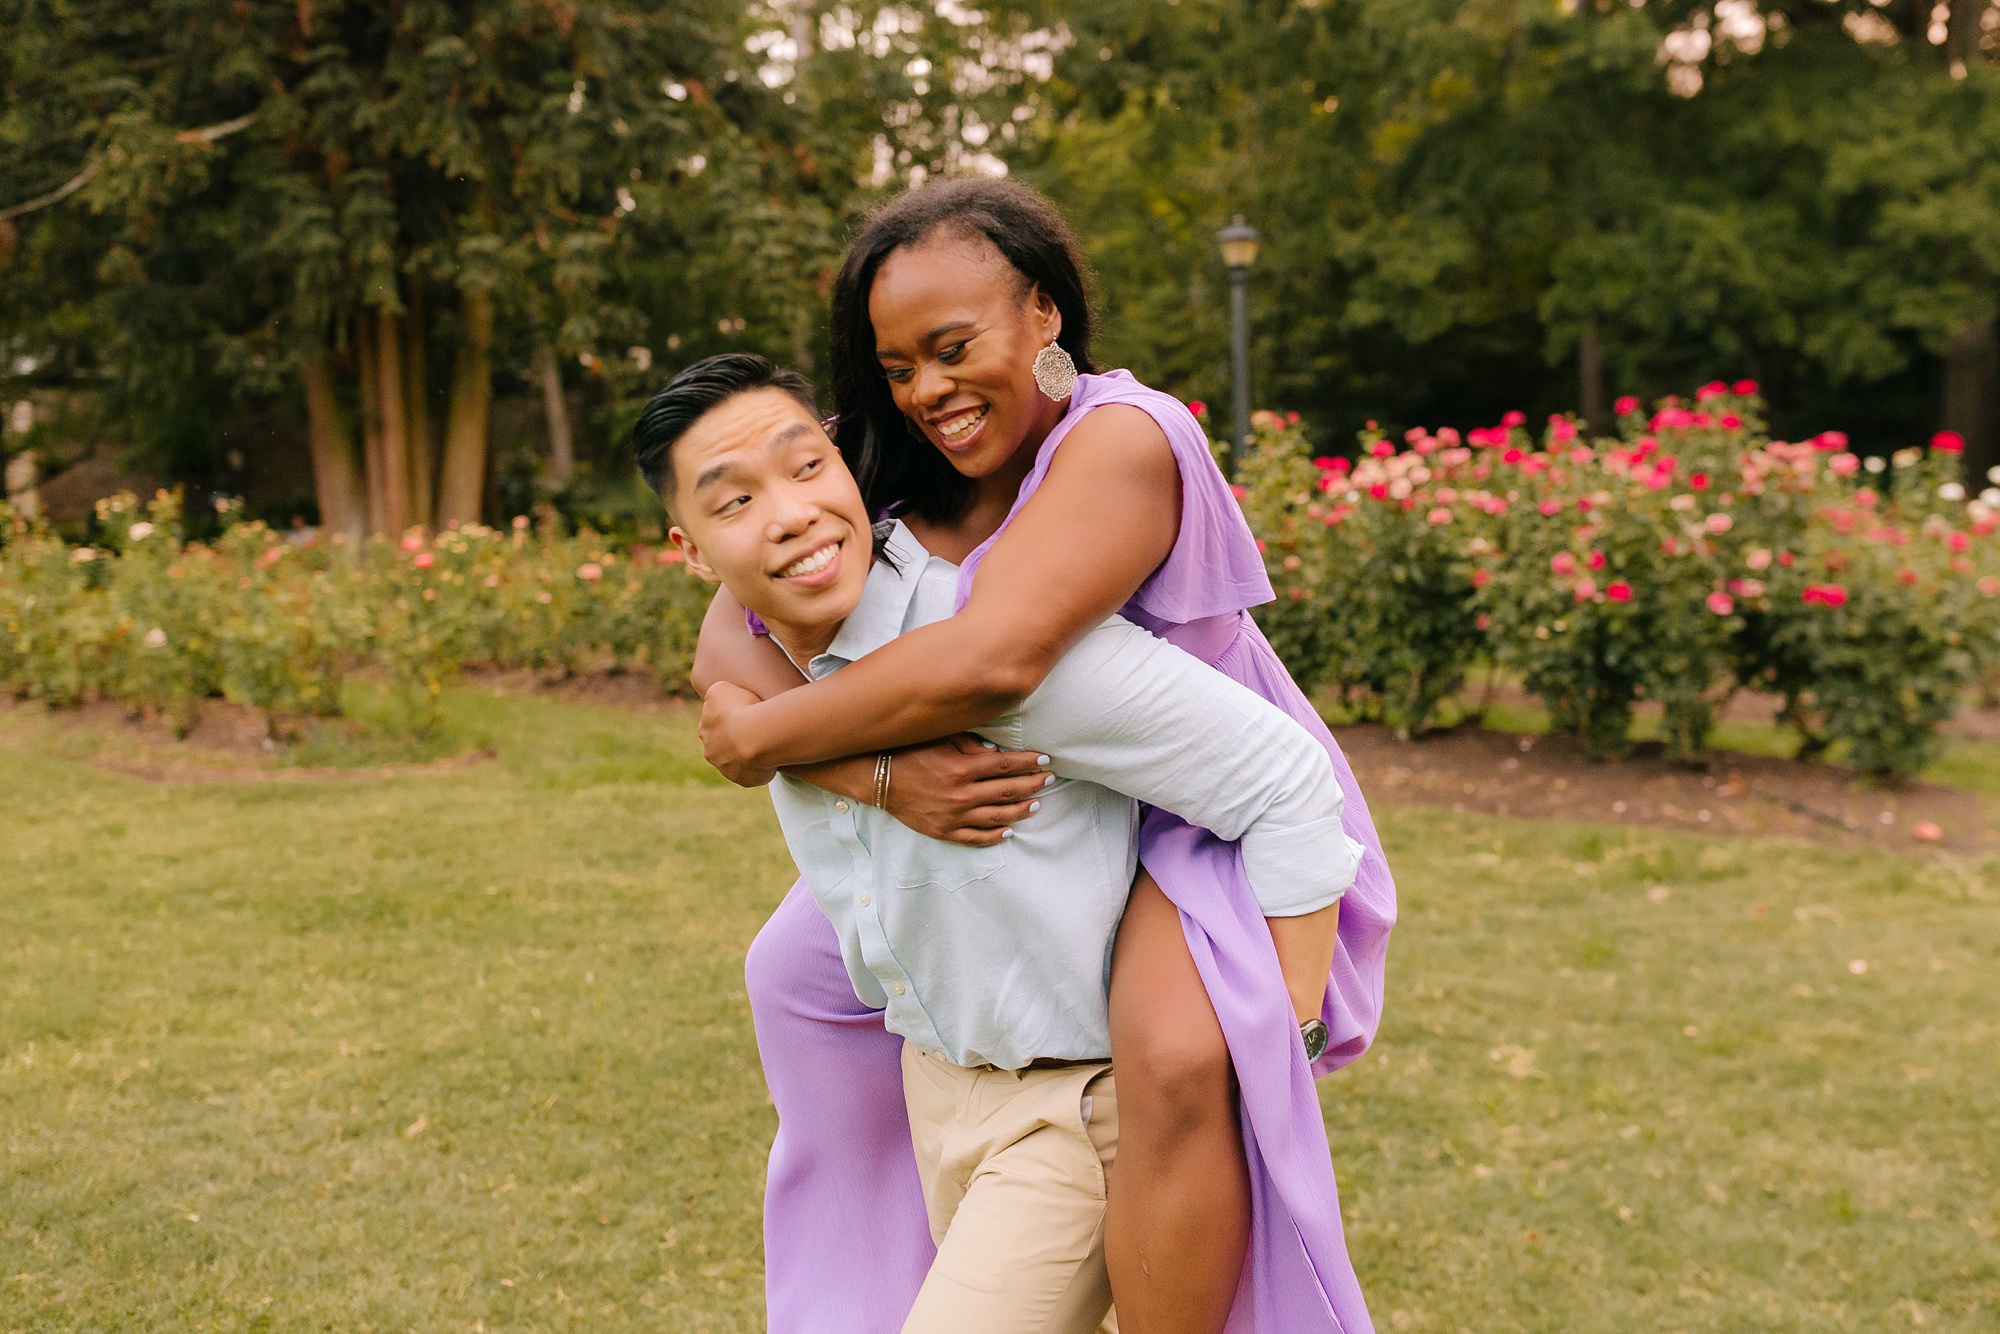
(1548, 777)
(1465, 769)
(229, 743)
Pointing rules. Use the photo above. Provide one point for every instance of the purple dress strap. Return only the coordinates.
(1214, 568)
(1299, 1278)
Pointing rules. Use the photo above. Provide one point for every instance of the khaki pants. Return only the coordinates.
(1013, 1173)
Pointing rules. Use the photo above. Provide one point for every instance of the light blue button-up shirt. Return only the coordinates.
(1002, 955)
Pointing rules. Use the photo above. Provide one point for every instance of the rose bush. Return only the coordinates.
(1685, 558)
(158, 624)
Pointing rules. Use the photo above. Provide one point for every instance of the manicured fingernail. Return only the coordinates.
(1049, 781)
(1006, 833)
(1041, 759)
(1034, 806)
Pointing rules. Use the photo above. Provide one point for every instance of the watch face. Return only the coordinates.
(1316, 1035)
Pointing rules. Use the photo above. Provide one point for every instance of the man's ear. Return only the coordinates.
(698, 567)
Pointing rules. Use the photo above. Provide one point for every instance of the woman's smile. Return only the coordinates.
(958, 430)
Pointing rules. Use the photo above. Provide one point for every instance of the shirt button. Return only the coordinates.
(841, 806)
(898, 988)
(864, 900)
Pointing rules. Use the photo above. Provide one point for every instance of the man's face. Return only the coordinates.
(767, 508)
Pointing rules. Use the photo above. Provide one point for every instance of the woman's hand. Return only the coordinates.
(719, 706)
(963, 791)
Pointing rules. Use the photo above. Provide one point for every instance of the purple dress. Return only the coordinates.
(846, 1240)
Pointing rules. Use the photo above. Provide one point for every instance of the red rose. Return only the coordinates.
(1948, 442)
(1619, 592)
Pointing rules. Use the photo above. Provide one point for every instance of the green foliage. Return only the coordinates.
(263, 621)
(1689, 557)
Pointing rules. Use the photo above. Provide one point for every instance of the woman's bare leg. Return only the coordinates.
(1178, 1222)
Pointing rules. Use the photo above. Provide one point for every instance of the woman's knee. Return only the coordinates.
(1179, 1080)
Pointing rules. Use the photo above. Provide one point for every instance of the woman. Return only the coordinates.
(1062, 506)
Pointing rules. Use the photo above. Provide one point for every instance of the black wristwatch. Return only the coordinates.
(1316, 1035)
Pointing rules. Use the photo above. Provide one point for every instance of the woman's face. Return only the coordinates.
(956, 336)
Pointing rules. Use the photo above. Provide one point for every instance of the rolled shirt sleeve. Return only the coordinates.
(1135, 714)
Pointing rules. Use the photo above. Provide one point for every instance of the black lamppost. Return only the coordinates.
(1239, 242)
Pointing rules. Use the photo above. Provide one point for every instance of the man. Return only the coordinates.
(992, 963)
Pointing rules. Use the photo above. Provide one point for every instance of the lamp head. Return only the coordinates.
(1239, 241)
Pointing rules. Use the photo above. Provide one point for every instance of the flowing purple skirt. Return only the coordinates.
(845, 1236)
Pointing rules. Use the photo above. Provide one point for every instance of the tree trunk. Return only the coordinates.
(1590, 370)
(395, 423)
(562, 453)
(1972, 396)
(371, 424)
(416, 392)
(1962, 32)
(462, 485)
(343, 510)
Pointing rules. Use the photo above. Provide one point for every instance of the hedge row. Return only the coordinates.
(156, 623)
(1689, 557)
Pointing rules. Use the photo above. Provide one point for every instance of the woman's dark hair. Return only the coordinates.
(893, 463)
(693, 393)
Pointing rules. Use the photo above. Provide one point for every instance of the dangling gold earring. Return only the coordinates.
(1055, 371)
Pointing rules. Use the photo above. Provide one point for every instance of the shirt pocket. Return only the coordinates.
(915, 862)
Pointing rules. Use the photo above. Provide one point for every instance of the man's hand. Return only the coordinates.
(723, 702)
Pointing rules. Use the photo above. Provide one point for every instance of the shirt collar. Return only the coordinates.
(885, 602)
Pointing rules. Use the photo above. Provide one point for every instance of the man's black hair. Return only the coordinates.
(690, 396)
(895, 465)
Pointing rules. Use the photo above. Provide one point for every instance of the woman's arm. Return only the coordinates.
(958, 789)
(1103, 520)
(727, 651)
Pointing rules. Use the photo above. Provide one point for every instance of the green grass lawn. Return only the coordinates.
(471, 1051)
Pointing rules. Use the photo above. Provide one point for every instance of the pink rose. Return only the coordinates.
(1198, 408)
(1948, 442)
(1586, 589)
(1718, 523)
(1959, 542)
(1292, 562)
(1713, 389)
(1830, 442)
(1481, 578)
(1844, 465)
(1989, 585)
(590, 571)
(1485, 621)
(1743, 388)
(1619, 592)
(424, 560)
(1730, 421)
(413, 543)
(1513, 419)
(1720, 604)
(1440, 515)
(1750, 588)
(1562, 563)
(1595, 560)
(1626, 405)
(1698, 480)
(1382, 449)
